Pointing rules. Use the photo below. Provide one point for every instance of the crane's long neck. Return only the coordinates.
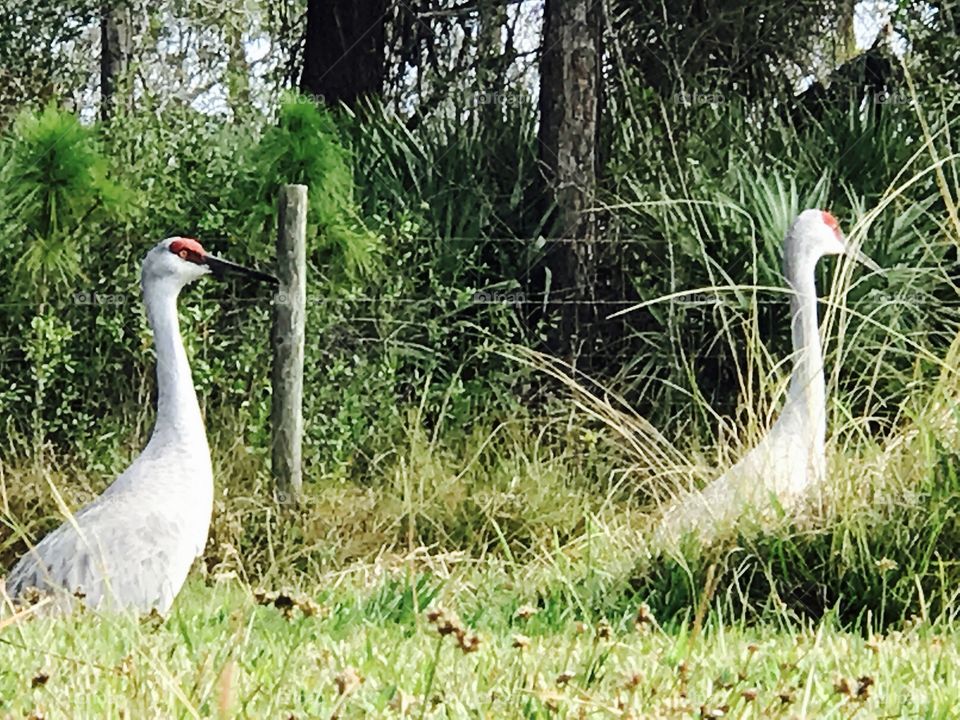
(807, 392)
(178, 413)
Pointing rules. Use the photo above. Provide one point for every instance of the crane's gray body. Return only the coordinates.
(129, 548)
(791, 458)
(133, 546)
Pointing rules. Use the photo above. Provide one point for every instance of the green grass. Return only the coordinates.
(861, 584)
(222, 653)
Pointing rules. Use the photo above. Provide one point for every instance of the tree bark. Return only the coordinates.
(113, 54)
(569, 111)
(344, 51)
(238, 71)
(491, 18)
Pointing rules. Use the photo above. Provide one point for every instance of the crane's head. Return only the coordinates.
(816, 233)
(181, 260)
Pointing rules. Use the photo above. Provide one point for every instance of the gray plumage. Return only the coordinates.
(791, 457)
(133, 546)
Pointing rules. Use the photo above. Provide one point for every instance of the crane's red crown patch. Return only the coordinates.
(187, 248)
(831, 222)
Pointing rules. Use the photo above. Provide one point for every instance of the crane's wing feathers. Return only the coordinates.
(108, 550)
(776, 467)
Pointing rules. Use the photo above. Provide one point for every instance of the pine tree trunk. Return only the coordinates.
(491, 61)
(344, 51)
(569, 110)
(113, 54)
(238, 72)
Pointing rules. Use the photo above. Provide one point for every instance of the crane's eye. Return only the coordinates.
(188, 249)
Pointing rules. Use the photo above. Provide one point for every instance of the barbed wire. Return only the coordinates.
(540, 301)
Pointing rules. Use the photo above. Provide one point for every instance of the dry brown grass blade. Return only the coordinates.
(25, 613)
(655, 458)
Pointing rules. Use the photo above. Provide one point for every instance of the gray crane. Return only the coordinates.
(132, 547)
(790, 458)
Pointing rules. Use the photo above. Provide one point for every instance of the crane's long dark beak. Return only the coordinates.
(220, 268)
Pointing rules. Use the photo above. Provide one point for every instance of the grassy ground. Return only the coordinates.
(371, 644)
(552, 604)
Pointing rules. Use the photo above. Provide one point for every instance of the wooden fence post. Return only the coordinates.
(287, 340)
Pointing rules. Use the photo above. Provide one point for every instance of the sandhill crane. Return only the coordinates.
(132, 547)
(790, 458)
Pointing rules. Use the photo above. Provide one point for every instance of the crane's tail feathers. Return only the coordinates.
(715, 511)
